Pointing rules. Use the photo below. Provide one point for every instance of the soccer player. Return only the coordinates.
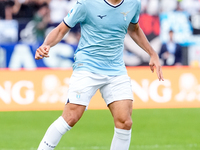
(99, 65)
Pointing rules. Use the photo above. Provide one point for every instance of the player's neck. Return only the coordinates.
(114, 2)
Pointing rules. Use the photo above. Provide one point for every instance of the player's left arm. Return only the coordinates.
(139, 37)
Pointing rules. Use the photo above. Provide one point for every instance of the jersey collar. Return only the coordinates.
(114, 5)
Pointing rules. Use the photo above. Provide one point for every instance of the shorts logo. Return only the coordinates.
(78, 94)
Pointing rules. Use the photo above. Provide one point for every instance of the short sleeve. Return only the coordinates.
(135, 19)
(76, 15)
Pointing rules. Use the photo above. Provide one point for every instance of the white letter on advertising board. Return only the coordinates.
(141, 91)
(5, 93)
(22, 57)
(167, 92)
(29, 93)
(60, 54)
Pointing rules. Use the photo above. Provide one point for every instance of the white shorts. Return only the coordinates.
(83, 85)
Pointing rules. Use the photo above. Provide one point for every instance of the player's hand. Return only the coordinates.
(42, 52)
(154, 62)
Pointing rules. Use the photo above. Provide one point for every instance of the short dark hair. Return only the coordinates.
(43, 5)
(10, 3)
(171, 31)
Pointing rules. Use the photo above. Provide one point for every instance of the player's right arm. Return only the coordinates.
(52, 39)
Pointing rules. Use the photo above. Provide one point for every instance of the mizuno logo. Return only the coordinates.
(78, 3)
(101, 16)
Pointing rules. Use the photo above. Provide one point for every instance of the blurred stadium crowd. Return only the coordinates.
(29, 21)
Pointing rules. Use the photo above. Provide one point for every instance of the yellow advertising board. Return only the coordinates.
(46, 89)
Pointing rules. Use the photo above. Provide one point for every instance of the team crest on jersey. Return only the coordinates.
(125, 14)
(70, 13)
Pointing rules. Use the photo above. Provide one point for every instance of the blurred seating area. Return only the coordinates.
(32, 18)
(25, 9)
(29, 21)
(157, 19)
(20, 9)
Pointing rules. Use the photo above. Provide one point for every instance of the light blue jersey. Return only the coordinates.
(103, 28)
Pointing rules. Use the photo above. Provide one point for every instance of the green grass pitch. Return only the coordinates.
(153, 129)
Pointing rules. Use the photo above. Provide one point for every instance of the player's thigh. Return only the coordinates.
(121, 111)
(72, 113)
(82, 86)
(117, 88)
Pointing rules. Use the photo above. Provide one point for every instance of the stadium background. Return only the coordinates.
(28, 85)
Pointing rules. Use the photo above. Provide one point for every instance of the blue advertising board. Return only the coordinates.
(22, 55)
(179, 22)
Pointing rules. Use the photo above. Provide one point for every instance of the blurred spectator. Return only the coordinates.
(191, 6)
(150, 7)
(35, 29)
(153, 7)
(178, 7)
(8, 31)
(41, 20)
(8, 26)
(59, 9)
(167, 6)
(171, 52)
(6, 9)
(24, 10)
(194, 10)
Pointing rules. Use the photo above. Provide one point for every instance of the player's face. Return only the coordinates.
(171, 36)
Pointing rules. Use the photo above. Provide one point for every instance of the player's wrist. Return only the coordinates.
(152, 53)
(46, 45)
